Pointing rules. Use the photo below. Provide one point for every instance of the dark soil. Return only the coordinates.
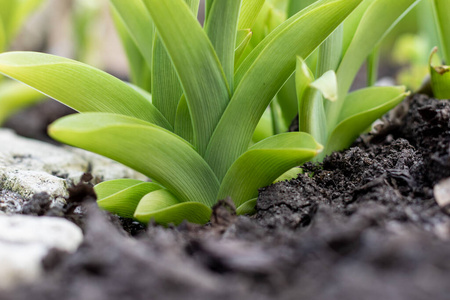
(362, 225)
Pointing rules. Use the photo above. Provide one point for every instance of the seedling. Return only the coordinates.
(440, 74)
(193, 134)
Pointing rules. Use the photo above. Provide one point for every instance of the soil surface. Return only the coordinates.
(362, 225)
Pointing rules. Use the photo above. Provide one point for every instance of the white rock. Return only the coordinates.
(441, 192)
(26, 240)
(28, 167)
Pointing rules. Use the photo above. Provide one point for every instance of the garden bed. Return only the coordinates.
(362, 225)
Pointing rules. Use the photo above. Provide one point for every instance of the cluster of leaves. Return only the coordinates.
(440, 74)
(200, 94)
(13, 95)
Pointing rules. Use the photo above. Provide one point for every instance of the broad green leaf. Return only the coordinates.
(379, 18)
(221, 28)
(440, 79)
(327, 85)
(183, 124)
(289, 174)
(140, 71)
(330, 52)
(79, 86)
(264, 72)
(264, 129)
(294, 6)
(196, 63)
(242, 40)
(310, 94)
(287, 101)
(137, 20)
(249, 12)
(166, 88)
(111, 187)
(373, 62)
(122, 196)
(303, 79)
(208, 5)
(144, 147)
(352, 22)
(164, 208)
(361, 109)
(442, 17)
(264, 162)
(15, 96)
(247, 208)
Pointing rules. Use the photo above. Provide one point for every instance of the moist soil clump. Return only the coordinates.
(363, 224)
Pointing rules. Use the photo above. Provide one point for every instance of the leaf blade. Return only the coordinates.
(157, 153)
(206, 92)
(79, 86)
(264, 162)
(161, 206)
(264, 71)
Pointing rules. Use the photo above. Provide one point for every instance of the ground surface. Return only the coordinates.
(364, 225)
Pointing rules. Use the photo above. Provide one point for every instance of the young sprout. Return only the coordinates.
(188, 122)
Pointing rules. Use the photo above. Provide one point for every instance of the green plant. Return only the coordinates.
(193, 134)
(326, 110)
(440, 74)
(333, 116)
(13, 95)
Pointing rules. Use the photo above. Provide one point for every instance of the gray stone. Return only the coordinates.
(26, 240)
(28, 167)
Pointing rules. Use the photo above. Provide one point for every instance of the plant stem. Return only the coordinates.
(372, 66)
(275, 118)
(330, 52)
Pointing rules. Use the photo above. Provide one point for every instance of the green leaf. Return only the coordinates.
(164, 208)
(289, 174)
(190, 50)
(310, 101)
(264, 129)
(79, 86)
(264, 162)
(330, 52)
(361, 109)
(183, 124)
(144, 147)
(379, 18)
(442, 17)
(15, 96)
(122, 196)
(139, 24)
(249, 12)
(140, 71)
(440, 79)
(221, 28)
(294, 6)
(242, 40)
(264, 71)
(166, 88)
(287, 101)
(247, 208)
